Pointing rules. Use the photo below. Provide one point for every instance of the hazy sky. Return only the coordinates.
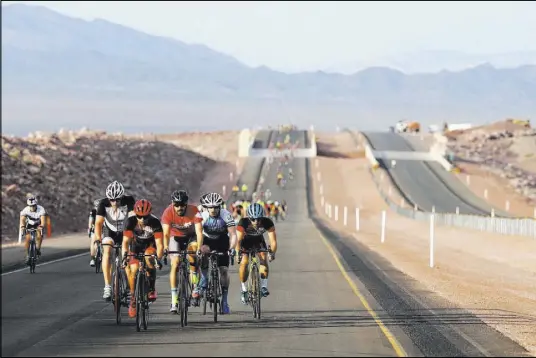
(306, 35)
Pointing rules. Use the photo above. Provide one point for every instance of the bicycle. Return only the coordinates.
(142, 292)
(32, 250)
(213, 292)
(119, 285)
(254, 279)
(184, 284)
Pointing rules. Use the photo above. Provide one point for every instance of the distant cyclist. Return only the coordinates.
(33, 216)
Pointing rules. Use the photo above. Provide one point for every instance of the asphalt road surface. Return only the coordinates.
(314, 309)
(420, 182)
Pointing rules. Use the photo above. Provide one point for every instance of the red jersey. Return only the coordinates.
(182, 226)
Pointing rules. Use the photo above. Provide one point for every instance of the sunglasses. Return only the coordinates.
(144, 218)
(180, 205)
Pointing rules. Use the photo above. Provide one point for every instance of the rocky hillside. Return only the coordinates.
(69, 170)
(505, 148)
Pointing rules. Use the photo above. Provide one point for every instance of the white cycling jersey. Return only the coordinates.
(33, 218)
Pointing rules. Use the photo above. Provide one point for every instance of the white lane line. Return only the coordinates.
(47, 263)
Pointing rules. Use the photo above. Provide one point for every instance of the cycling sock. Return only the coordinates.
(174, 296)
(264, 282)
(244, 286)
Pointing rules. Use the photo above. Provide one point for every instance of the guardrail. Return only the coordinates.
(504, 226)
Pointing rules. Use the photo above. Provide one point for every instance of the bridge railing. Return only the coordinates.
(505, 226)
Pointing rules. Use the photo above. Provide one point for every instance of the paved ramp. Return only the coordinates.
(426, 184)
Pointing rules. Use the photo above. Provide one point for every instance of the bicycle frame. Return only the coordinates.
(142, 292)
(119, 286)
(213, 292)
(184, 284)
(254, 293)
(32, 249)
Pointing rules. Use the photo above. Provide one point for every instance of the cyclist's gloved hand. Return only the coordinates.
(124, 263)
(232, 252)
(158, 264)
(165, 256)
(271, 256)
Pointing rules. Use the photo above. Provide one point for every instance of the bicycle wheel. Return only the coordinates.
(254, 289)
(139, 300)
(118, 294)
(32, 255)
(182, 296)
(215, 296)
(145, 305)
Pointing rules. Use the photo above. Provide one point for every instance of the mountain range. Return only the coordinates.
(47, 54)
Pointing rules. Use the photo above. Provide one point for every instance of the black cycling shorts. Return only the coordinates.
(221, 244)
(117, 236)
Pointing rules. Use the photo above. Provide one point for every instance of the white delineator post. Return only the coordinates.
(223, 190)
(321, 188)
(20, 236)
(318, 176)
(231, 176)
(432, 240)
(357, 219)
(336, 213)
(384, 213)
(345, 216)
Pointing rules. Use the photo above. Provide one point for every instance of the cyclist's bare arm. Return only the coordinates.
(126, 244)
(158, 238)
(99, 221)
(199, 234)
(167, 233)
(22, 221)
(239, 237)
(43, 220)
(232, 236)
(273, 240)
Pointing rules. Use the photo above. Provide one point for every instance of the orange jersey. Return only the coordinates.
(182, 226)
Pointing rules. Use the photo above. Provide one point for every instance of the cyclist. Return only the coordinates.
(250, 234)
(111, 215)
(142, 233)
(219, 233)
(274, 210)
(91, 231)
(33, 216)
(181, 223)
(290, 174)
(279, 177)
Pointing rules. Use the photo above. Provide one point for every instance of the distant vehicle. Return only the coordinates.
(407, 126)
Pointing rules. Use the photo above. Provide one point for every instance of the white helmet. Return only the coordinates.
(211, 200)
(31, 201)
(269, 202)
(115, 190)
(276, 203)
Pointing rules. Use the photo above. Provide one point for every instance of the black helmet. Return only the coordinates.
(179, 196)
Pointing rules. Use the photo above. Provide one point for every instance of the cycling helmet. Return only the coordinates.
(211, 200)
(255, 211)
(96, 203)
(142, 207)
(31, 200)
(115, 190)
(276, 203)
(179, 196)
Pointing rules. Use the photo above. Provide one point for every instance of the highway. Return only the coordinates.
(313, 309)
(425, 184)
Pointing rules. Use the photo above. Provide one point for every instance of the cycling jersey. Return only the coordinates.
(33, 218)
(182, 226)
(214, 228)
(143, 234)
(263, 225)
(114, 219)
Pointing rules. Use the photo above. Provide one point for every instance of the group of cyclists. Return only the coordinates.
(119, 219)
